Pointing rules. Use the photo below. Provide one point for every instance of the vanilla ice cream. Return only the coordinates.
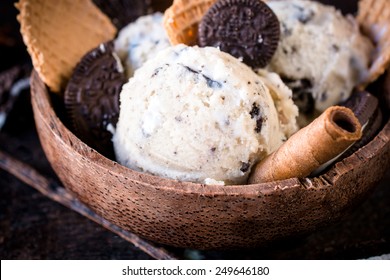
(321, 55)
(141, 40)
(199, 114)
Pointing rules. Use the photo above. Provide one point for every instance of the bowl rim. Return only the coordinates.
(41, 96)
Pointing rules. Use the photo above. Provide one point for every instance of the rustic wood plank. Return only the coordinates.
(59, 194)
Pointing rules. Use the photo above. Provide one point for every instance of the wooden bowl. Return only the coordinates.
(202, 216)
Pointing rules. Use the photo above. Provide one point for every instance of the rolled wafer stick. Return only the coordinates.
(325, 138)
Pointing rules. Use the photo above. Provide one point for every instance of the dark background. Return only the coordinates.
(35, 227)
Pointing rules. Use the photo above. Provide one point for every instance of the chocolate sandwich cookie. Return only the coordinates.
(365, 107)
(246, 29)
(92, 97)
(122, 12)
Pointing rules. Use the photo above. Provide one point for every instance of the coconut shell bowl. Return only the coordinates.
(191, 215)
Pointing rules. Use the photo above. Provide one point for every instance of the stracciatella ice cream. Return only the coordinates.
(321, 55)
(199, 114)
(140, 41)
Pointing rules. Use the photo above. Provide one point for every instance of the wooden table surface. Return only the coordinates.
(33, 226)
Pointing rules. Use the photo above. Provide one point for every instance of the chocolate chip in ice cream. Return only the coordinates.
(255, 114)
(302, 94)
(122, 12)
(92, 97)
(210, 82)
(304, 15)
(246, 29)
(245, 166)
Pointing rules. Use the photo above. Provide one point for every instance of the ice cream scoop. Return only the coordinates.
(321, 55)
(201, 115)
(141, 40)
